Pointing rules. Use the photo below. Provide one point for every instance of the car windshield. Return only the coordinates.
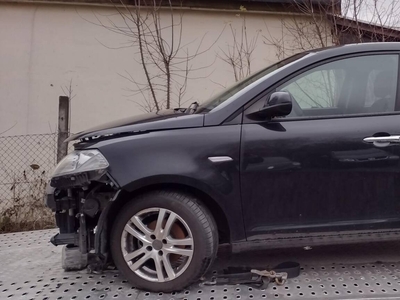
(238, 86)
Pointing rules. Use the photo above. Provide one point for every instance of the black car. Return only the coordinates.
(303, 152)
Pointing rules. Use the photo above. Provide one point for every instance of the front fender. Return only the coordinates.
(182, 157)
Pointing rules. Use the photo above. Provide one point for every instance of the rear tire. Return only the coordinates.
(163, 241)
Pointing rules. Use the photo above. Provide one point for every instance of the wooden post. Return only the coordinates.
(63, 125)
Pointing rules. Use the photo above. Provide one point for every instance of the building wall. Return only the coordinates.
(45, 47)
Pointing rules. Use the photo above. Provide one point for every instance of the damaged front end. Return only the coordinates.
(80, 192)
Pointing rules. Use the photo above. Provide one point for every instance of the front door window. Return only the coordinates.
(356, 85)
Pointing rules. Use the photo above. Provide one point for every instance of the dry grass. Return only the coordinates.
(24, 207)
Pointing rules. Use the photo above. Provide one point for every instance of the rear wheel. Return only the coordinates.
(163, 241)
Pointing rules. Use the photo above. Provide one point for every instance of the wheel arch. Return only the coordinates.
(133, 190)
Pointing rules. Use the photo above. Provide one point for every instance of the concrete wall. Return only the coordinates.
(44, 47)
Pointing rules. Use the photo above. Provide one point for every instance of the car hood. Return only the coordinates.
(168, 119)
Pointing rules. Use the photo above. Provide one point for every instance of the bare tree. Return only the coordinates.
(307, 30)
(154, 30)
(322, 24)
(240, 50)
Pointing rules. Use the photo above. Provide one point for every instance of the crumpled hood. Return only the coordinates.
(168, 119)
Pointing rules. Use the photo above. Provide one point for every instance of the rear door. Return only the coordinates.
(325, 166)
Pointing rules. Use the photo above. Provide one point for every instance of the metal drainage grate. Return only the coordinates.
(31, 269)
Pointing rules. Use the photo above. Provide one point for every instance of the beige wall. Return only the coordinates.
(43, 47)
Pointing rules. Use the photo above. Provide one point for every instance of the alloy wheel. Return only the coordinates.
(157, 244)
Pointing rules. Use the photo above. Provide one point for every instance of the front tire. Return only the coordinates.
(163, 241)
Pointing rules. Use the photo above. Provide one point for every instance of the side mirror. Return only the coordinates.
(279, 104)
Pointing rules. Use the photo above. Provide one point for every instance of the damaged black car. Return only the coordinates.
(304, 152)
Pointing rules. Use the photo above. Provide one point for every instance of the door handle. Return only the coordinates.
(383, 141)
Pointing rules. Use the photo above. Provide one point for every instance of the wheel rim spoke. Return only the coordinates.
(140, 261)
(168, 225)
(159, 268)
(128, 228)
(180, 242)
(179, 251)
(139, 224)
(168, 268)
(160, 219)
(129, 256)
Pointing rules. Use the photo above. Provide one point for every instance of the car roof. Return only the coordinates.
(355, 48)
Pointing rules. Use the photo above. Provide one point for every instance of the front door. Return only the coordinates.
(334, 162)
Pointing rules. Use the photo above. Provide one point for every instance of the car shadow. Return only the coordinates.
(337, 254)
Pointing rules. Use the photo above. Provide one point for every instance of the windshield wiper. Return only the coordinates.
(180, 110)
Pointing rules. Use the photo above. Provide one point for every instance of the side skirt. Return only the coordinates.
(280, 241)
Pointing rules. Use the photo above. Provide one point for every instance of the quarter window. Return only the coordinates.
(357, 85)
